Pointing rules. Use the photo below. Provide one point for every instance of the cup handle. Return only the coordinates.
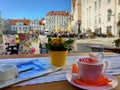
(105, 66)
(74, 75)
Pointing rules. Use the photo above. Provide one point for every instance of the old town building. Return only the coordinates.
(57, 19)
(76, 16)
(24, 25)
(100, 16)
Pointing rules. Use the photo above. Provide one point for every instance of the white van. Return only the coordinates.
(46, 32)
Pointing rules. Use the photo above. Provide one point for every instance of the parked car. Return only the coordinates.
(46, 32)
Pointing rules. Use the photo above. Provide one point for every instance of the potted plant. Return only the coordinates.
(58, 48)
(117, 42)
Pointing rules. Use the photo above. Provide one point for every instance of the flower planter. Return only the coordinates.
(58, 58)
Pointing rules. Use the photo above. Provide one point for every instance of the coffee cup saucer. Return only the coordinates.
(111, 85)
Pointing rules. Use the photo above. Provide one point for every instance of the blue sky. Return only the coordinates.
(31, 9)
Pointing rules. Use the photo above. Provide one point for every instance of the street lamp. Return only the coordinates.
(79, 23)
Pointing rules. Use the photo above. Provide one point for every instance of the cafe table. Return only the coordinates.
(58, 85)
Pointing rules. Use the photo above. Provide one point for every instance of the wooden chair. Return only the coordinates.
(10, 44)
(29, 43)
(43, 49)
(13, 49)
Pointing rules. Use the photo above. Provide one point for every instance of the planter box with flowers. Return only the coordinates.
(58, 48)
(29, 43)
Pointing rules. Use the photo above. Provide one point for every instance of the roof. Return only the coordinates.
(25, 21)
(60, 13)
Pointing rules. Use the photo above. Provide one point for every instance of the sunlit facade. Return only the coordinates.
(20, 25)
(24, 25)
(59, 18)
(117, 23)
(99, 16)
(76, 16)
(37, 25)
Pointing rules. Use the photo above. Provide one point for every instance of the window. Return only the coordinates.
(95, 6)
(89, 10)
(19, 28)
(83, 2)
(109, 14)
(99, 4)
(99, 19)
(109, 30)
(108, 1)
(14, 28)
(118, 2)
(26, 28)
(90, 22)
(87, 22)
(95, 20)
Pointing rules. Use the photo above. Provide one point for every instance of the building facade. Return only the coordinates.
(99, 16)
(24, 25)
(37, 25)
(59, 19)
(7, 26)
(20, 25)
(2, 25)
(76, 16)
(117, 21)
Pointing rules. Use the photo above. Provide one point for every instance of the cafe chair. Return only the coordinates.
(29, 43)
(10, 44)
(117, 43)
(43, 49)
(13, 49)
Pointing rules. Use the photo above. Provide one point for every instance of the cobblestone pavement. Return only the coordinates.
(80, 44)
(102, 41)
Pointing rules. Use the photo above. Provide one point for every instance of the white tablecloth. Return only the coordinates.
(113, 68)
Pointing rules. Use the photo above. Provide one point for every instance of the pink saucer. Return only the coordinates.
(111, 85)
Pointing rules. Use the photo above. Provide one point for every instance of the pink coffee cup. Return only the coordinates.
(90, 71)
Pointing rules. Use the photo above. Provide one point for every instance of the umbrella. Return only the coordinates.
(56, 28)
(69, 27)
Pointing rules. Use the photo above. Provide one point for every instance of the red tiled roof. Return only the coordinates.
(61, 13)
(25, 21)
